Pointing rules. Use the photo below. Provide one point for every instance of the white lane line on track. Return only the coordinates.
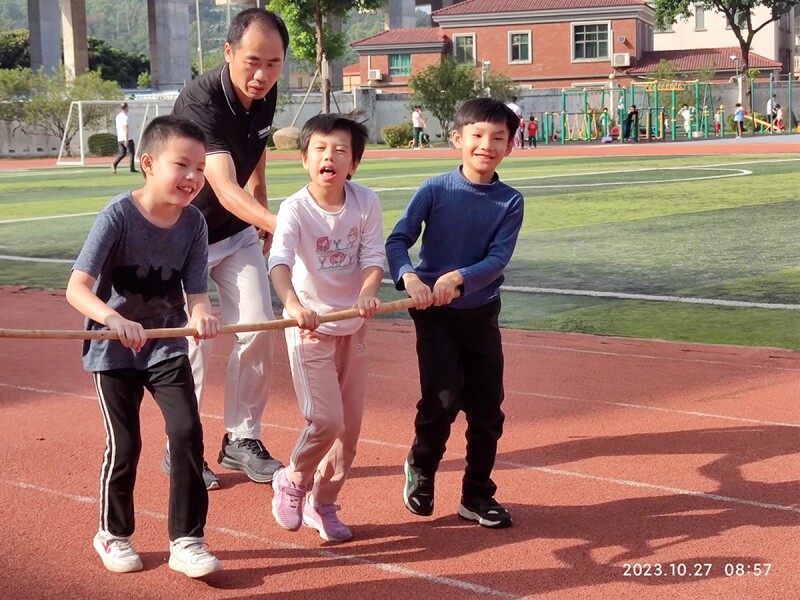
(548, 470)
(652, 486)
(319, 552)
(651, 356)
(690, 413)
(677, 411)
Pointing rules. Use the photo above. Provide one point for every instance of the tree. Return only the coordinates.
(496, 85)
(738, 13)
(115, 64)
(14, 49)
(310, 34)
(14, 90)
(47, 99)
(442, 88)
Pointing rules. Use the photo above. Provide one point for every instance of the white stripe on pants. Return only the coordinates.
(330, 380)
(237, 267)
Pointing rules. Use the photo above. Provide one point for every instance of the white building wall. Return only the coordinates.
(716, 35)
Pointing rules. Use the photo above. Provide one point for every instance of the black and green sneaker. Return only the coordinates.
(488, 512)
(418, 492)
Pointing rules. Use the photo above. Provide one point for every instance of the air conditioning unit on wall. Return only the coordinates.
(621, 59)
(374, 74)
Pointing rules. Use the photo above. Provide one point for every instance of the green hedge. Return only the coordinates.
(397, 136)
(103, 144)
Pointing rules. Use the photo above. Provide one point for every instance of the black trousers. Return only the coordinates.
(120, 392)
(123, 150)
(460, 357)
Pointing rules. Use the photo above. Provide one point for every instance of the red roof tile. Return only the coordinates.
(398, 37)
(472, 7)
(683, 61)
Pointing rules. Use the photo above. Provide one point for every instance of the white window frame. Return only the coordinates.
(529, 60)
(474, 47)
(609, 41)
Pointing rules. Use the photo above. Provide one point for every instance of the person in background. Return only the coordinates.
(124, 138)
(417, 124)
(533, 128)
(631, 124)
(738, 118)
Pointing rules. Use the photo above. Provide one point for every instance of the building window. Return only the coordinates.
(590, 42)
(464, 49)
(519, 46)
(399, 64)
(699, 18)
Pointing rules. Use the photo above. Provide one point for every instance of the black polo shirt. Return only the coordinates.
(211, 102)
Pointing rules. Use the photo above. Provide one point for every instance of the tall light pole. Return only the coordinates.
(199, 38)
(740, 94)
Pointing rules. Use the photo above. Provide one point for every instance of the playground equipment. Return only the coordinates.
(658, 118)
(578, 125)
(593, 112)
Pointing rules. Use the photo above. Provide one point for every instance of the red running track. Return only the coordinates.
(621, 458)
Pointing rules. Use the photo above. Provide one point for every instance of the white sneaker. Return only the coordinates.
(117, 553)
(190, 556)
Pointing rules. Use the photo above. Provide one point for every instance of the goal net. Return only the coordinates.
(90, 132)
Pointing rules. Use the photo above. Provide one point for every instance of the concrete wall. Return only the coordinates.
(380, 110)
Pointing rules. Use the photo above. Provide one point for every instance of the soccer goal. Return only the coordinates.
(90, 130)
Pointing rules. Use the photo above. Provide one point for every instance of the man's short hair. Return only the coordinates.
(244, 19)
(161, 130)
(124, 105)
(486, 110)
(328, 123)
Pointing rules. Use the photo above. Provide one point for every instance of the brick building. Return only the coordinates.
(537, 43)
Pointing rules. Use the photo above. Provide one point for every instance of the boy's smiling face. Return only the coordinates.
(329, 160)
(176, 172)
(483, 146)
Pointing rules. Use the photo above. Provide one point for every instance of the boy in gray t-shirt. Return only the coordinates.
(147, 249)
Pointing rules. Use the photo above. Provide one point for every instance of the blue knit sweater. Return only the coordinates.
(469, 227)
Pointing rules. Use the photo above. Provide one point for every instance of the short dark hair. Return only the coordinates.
(124, 105)
(267, 18)
(486, 110)
(328, 123)
(162, 129)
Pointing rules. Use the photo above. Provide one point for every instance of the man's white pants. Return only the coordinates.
(237, 267)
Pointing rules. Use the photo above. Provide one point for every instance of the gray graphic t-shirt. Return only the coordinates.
(142, 272)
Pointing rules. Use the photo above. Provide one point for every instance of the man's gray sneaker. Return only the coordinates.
(249, 456)
(211, 480)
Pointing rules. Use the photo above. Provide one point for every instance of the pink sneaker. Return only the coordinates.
(287, 503)
(322, 517)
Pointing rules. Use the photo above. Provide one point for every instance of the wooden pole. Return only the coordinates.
(105, 334)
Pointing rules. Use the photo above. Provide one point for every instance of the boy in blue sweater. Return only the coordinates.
(472, 221)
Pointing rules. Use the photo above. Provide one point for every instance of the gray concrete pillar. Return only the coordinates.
(168, 24)
(401, 14)
(336, 66)
(76, 43)
(44, 24)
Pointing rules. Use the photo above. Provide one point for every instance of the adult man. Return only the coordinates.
(234, 105)
(124, 138)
